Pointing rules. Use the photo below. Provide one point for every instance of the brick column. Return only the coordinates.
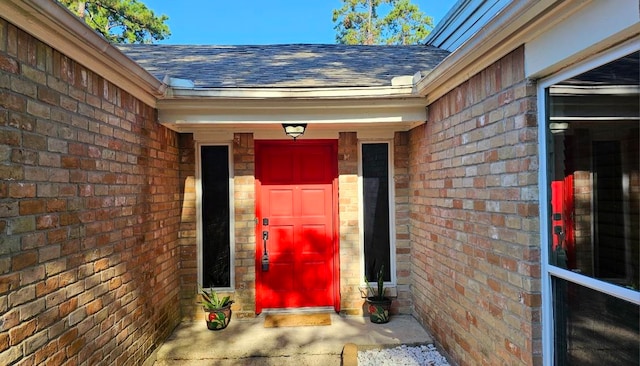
(403, 304)
(245, 225)
(351, 302)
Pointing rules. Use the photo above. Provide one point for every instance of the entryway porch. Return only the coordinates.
(248, 342)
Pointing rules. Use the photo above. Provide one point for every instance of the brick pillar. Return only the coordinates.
(403, 303)
(351, 302)
(187, 233)
(245, 225)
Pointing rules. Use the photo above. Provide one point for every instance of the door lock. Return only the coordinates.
(265, 254)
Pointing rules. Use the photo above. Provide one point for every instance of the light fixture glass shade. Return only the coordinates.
(294, 130)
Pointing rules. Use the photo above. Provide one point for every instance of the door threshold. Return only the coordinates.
(306, 310)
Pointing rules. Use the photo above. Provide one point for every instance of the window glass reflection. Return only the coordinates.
(592, 328)
(595, 188)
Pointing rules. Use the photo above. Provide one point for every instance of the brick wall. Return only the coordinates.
(243, 295)
(350, 248)
(90, 200)
(351, 301)
(245, 225)
(187, 233)
(579, 148)
(474, 219)
(403, 303)
(244, 206)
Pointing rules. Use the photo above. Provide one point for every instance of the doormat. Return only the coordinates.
(296, 320)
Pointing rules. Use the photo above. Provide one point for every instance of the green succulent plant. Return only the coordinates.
(379, 294)
(211, 300)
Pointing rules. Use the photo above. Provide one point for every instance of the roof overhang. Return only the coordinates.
(60, 29)
(381, 109)
(371, 110)
(518, 23)
(396, 107)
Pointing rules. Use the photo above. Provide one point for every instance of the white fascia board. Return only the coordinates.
(515, 25)
(405, 90)
(247, 114)
(594, 28)
(66, 33)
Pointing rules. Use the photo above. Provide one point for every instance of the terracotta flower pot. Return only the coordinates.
(379, 309)
(218, 319)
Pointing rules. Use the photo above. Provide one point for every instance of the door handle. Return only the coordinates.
(265, 254)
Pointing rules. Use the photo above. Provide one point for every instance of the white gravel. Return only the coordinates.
(403, 355)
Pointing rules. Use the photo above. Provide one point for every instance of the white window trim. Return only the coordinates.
(199, 225)
(549, 271)
(392, 213)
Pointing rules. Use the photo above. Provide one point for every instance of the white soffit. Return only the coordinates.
(274, 131)
(515, 25)
(597, 26)
(340, 108)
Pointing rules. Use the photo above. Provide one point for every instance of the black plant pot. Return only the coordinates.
(379, 309)
(219, 318)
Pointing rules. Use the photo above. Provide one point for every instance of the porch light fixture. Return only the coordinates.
(294, 130)
(558, 127)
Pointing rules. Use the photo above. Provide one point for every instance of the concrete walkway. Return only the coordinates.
(247, 342)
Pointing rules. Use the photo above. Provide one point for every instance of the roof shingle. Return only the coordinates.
(284, 66)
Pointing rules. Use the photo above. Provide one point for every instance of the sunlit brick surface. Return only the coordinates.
(90, 210)
(474, 218)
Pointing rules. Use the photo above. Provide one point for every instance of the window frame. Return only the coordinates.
(199, 216)
(392, 208)
(548, 271)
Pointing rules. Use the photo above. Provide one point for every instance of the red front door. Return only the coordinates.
(296, 190)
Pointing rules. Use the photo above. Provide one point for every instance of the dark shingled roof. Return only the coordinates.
(289, 66)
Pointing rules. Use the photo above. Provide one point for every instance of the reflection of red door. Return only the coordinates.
(562, 201)
(296, 190)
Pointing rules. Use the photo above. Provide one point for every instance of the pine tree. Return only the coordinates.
(121, 21)
(405, 24)
(358, 22)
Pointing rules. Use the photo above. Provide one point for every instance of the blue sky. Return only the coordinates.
(243, 22)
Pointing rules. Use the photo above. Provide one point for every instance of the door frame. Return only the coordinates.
(333, 144)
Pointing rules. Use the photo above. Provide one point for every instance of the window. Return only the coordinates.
(216, 229)
(376, 213)
(593, 328)
(592, 172)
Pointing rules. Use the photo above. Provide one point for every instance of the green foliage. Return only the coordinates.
(357, 22)
(121, 21)
(379, 294)
(406, 24)
(211, 300)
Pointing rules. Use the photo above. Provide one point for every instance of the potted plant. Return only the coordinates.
(378, 304)
(217, 308)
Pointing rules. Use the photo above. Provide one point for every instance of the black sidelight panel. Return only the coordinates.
(216, 253)
(375, 176)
